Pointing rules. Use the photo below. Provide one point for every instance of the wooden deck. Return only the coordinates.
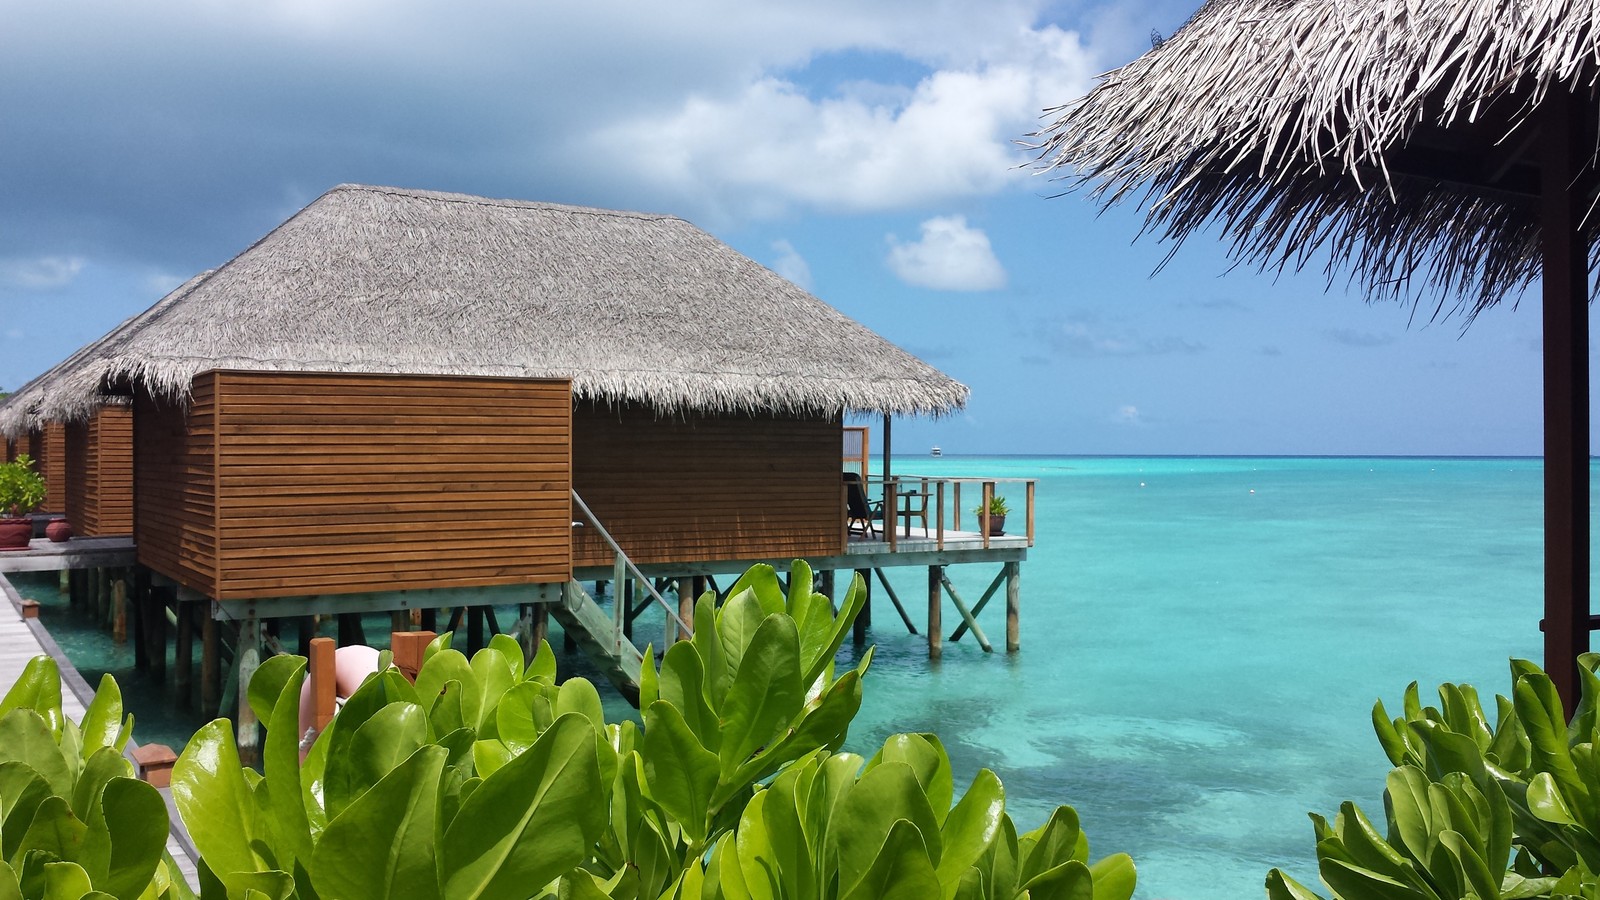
(78, 553)
(23, 639)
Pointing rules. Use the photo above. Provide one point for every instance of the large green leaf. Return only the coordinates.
(578, 695)
(21, 791)
(1411, 811)
(753, 852)
(1070, 880)
(494, 674)
(765, 695)
(104, 765)
(126, 836)
(268, 681)
(382, 846)
(761, 580)
(1348, 880)
(214, 802)
(817, 659)
(38, 688)
(1056, 842)
(862, 821)
(1282, 887)
(389, 736)
(66, 881)
(681, 773)
(54, 831)
(528, 822)
(682, 684)
(282, 807)
(1114, 877)
(736, 628)
(707, 640)
(9, 888)
(441, 668)
(970, 828)
(102, 724)
(515, 723)
(926, 756)
(900, 870)
(25, 736)
(1539, 707)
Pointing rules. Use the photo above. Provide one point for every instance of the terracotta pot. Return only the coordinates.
(997, 526)
(15, 533)
(58, 530)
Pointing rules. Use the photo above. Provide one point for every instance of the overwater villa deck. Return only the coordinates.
(601, 410)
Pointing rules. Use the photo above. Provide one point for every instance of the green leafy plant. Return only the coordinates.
(487, 779)
(997, 507)
(1509, 810)
(74, 822)
(21, 488)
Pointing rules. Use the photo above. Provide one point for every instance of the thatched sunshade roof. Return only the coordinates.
(1400, 137)
(633, 308)
(1443, 145)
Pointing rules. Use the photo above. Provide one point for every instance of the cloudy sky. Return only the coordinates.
(869, 152)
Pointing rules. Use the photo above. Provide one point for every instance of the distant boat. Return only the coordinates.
(936, 451)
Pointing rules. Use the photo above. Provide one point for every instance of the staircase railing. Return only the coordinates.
(623, 569)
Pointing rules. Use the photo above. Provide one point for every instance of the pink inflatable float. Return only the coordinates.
(351, 666)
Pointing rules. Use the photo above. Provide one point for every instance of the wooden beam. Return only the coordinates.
(1566, 396)
(935, 612)
(895, 599)
(967, 617)
(1013, 606)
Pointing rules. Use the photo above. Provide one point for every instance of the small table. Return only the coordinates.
(908, 500)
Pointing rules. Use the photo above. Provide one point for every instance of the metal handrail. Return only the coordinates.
(623, 562)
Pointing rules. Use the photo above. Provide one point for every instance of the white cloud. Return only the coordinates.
(950, 256)
(791, 265)
(15, 334)
(1127, 415)
(40, 273)
(768, 145)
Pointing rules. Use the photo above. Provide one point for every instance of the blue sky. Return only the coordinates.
(870, 152)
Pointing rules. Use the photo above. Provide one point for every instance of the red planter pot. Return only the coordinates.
(58, 530)
(15, 533)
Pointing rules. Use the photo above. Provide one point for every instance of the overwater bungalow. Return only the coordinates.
(404, 400)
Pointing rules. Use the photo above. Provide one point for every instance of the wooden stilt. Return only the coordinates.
(183, 656)
(156, 629)
(249, 659)
(400, 620)
(458, 618)
(541, 625)
(625, 597)
(210, 663)
(935, 611)
(895, 599)
(1013, 606)
(140, 601)
(307, 630)
(491, 619)
(97, 590)
(864, 618)
(430, 620)
(351, 632)
(119, 611)
(474, 629)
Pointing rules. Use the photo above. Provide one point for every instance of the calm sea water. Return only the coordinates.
(1203, 640)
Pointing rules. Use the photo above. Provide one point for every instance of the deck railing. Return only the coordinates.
(936, 501)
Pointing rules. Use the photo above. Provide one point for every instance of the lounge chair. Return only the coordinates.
(860, 511)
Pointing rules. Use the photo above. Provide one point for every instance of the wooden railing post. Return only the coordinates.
(983, 512)
(891, 511)
(1030, 512)
(323, 686)
(940, 514)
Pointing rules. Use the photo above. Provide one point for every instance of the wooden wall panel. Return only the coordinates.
(99, 473)
(332, 484)
(174, 481)
(708, 487)
(48, 448)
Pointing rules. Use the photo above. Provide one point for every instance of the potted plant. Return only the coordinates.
(21, 491)
(997, 515)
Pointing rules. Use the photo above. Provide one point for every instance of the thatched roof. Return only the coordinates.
(1392, 135)
(633, 308)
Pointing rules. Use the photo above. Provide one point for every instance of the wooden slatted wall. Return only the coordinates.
(48, 448)
(353, 483)
(175, 527)
(99, 473)
(707, 488)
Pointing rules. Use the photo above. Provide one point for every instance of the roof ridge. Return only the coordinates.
(476, 200)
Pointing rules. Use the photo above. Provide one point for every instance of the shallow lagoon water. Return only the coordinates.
(1203, 640)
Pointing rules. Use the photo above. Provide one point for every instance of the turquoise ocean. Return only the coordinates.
(1202, 643)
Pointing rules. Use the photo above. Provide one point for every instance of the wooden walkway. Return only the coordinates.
(23, 639)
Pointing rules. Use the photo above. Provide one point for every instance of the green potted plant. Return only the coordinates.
(21, 491)
(997, 515)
